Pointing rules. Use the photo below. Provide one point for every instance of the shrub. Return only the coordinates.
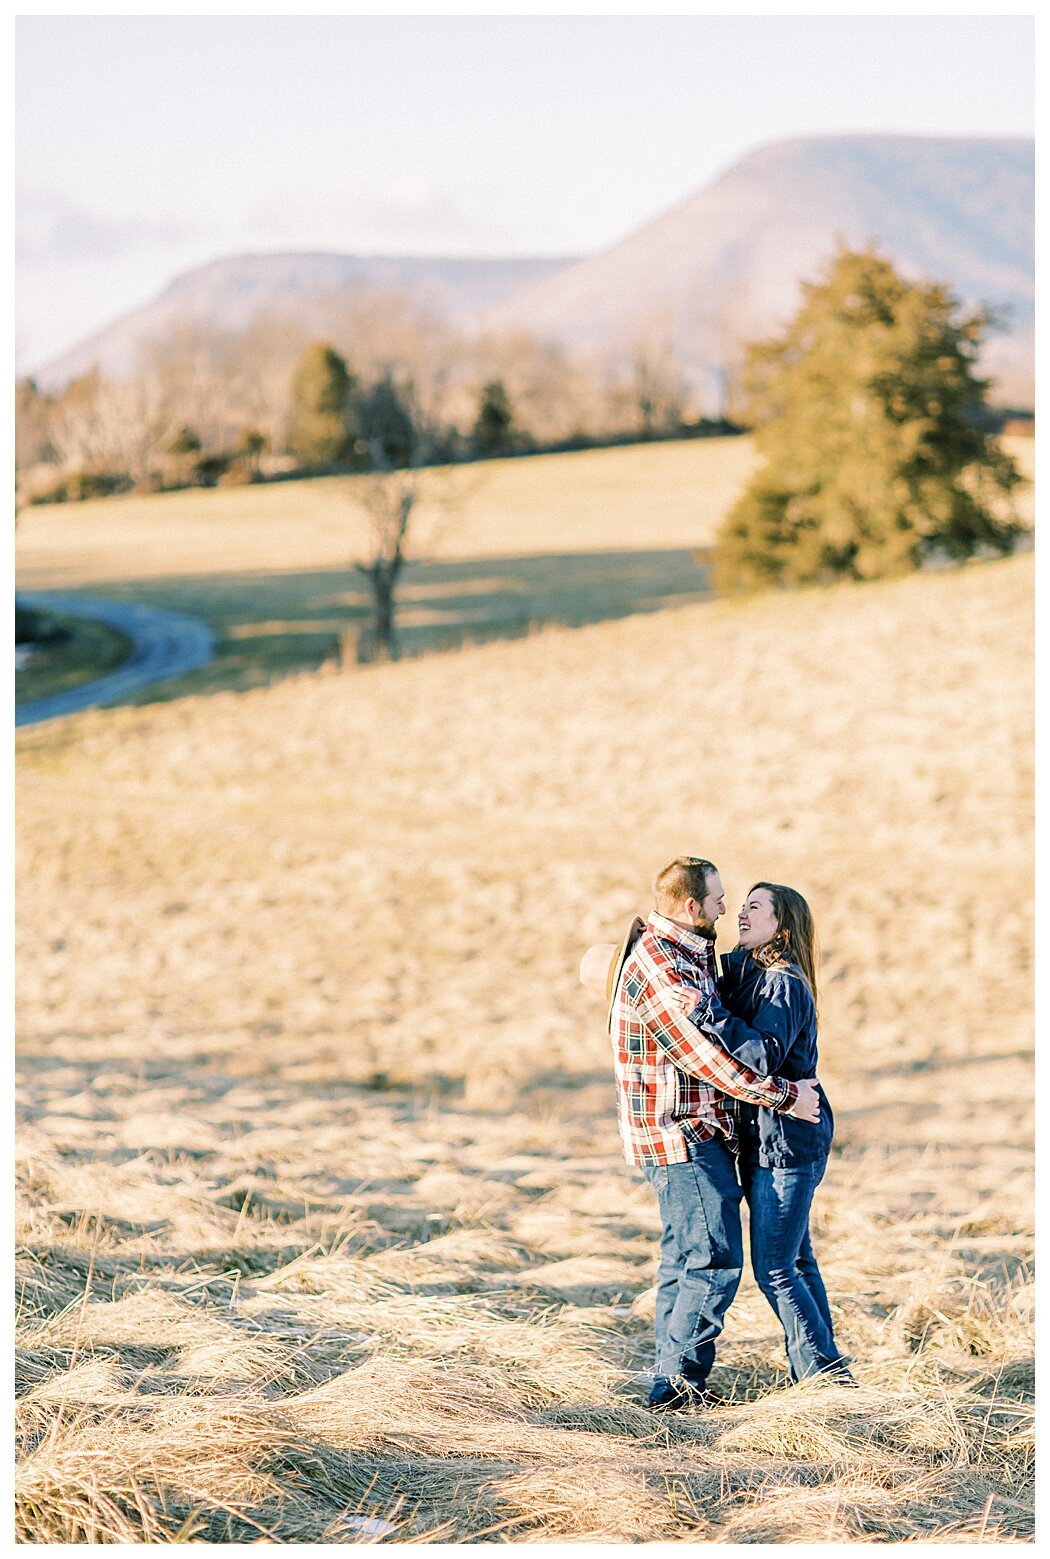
(77, 486)
(209, 468)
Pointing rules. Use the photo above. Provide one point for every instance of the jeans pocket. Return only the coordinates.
(657, 1176)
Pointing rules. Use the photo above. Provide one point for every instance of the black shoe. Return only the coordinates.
(833, 1375)
(673, 1395)
(838, 1373)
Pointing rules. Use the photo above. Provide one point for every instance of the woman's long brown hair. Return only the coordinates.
(794, 916)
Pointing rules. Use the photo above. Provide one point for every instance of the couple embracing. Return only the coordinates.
(717, 1102)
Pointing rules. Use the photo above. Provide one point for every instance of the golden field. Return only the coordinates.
(659, 496)
(500, 549)
(322, 1214)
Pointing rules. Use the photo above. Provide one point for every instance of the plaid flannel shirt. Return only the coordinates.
(675, 1085)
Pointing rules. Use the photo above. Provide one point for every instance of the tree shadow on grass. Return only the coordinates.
(271, 625)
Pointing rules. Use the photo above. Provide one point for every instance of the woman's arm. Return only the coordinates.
(729, 981)
(764, 1043)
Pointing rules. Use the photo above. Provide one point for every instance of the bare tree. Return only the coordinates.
(400, 446)
(388, 499)
(258, 364)
(33, 411)
(139, 421)
(734, 324)
(381, 330)
(555, 395)
(656, 376)
(188, 382)
(392, 430)
(74, 427)
(111, 424)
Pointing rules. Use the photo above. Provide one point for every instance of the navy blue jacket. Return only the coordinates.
(771, 1026)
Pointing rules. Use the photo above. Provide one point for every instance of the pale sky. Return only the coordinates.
(146, 144)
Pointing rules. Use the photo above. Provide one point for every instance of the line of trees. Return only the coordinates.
(870, 416)
(207, 408)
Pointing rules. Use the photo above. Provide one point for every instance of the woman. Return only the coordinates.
(769, 986)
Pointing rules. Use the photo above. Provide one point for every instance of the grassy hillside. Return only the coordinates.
(322, 1208)
(639, 497)
(501, 547)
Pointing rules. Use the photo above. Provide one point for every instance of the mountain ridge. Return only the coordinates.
(230, 290)
(727, 260)
(721, 266)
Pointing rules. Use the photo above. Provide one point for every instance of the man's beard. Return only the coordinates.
(707, 929)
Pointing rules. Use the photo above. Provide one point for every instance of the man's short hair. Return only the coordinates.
(683, 878)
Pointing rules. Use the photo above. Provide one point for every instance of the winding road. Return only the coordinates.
(164, 645)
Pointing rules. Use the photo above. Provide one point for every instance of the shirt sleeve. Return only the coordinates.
(762, 1044)
(663, 1008)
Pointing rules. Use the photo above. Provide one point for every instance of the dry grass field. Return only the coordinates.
(322, 1218)
(658, 497)
(500, 548)
(663, 495)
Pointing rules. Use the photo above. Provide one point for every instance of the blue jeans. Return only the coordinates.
(701, 1257)
(784, 1265)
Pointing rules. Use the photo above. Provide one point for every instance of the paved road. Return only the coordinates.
(166, 645)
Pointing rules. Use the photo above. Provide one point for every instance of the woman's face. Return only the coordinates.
(756, 919)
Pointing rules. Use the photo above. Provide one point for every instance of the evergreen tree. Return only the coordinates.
(252, 444)
(493, 430)
(870, 418)
(322, 430)
(387, 426)
(186, 447)
(184, 443)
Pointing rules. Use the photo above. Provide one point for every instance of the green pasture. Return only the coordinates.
(275, 624)
(80, 650)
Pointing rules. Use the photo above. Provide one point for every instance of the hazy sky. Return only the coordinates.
(148, 144)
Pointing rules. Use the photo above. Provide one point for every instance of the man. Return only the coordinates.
(679, 1120)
